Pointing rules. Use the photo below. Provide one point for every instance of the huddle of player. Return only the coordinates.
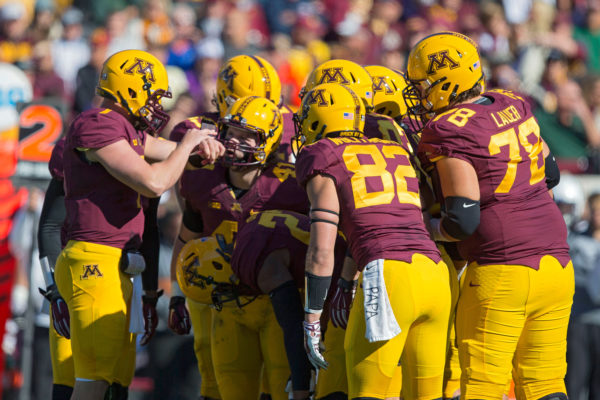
(344, 263)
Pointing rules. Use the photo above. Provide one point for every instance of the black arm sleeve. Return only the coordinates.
(51, 221)
(462, 217)
(552, 172)
(192, 220)
(150, 245)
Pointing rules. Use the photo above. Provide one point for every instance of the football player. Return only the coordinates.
(370, 189)
(240, 76)
(356, 77)
(269, 259)
(388, 87)
(50, 243)
(515, 302)
(218, 198)
(105, 176)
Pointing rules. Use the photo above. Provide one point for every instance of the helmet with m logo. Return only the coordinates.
(137, 81)
(440, 68)
(259, 116)
(388, 85)
(343, 72)
(243, 76)
(328, 110)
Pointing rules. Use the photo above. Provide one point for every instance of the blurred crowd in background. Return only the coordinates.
(548, 50)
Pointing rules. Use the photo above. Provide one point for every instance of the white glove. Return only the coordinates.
(312, 340)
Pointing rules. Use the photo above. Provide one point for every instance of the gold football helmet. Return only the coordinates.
(328, 110)
(137, 81)
(243, 76)
(202, 265)
(440, 67)
(346, 73)
(388, 85)
(260, 116)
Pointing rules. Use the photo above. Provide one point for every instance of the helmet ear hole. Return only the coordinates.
(314, 125)
(132, 93)
(446, 86)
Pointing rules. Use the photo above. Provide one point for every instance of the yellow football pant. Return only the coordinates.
(245, 342)
(512, 317)
(201, 318)
(61, 356)
(98, 295)
(419, 295)
(333, 379)
(452, 369)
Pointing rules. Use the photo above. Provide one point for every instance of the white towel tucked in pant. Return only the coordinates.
(379, 316)
(136, 318)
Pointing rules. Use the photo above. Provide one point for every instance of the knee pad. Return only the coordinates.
(335, 396)
(61, 392)
(554, 396)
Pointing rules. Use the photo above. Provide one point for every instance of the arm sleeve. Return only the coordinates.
(51, 221)
(150, 245)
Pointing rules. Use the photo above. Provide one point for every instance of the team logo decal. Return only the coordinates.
(142, 67)
(316, 97)
(440, 60)
(333, 75)
(380, 85)
(91, 270)
(227, 76)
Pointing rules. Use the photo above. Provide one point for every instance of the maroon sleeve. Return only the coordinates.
(55, 165)
(99, 130)
(191, 123)
(316, 159)
(443, 139)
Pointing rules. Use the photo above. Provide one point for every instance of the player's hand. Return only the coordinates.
(150, 316)
(205, 144)
(339, 309)
(312, 342)
(179, 316)
(61, 319)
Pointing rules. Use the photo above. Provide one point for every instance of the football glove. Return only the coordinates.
(341, 303)
(60, 312)
(150, 317)
(179, 316)
(312, 344)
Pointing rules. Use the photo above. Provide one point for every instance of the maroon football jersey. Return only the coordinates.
(519, 221)
(55, 165)
(207, 192)
(272, 230)
(101, 209)
(380, 209)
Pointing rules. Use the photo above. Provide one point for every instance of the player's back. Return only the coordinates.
(380, 209)
(501, 139)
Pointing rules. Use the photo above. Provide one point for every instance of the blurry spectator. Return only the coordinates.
(494, 42)
(124, 31)
(570, 132)
(589, 35)
(213, 21)
(87, 76)
(583, 338)
(15, 45)
(71, 51)
(210, 57)
(592, 96)
(182, 51)
(184, 108)
(157, 26)
(46, 83)
(238, 35)
(44, 25)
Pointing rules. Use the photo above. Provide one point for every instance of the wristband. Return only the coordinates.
(315, 292)
(47, 271)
